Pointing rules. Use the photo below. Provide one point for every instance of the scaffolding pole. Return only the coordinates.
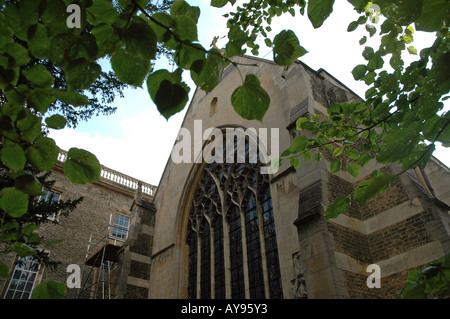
(101, 256)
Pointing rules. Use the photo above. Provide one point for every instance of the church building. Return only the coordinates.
(231, 229)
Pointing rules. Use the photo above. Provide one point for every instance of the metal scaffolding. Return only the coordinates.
(101, 256)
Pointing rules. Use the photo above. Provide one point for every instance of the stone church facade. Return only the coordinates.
(230, 230)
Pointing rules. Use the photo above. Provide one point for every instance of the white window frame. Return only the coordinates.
(23, 278)
(120, 226)
(48, 194)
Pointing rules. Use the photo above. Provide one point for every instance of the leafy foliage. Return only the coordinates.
(23, 214)
(431, 282)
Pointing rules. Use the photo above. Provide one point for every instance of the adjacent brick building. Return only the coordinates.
(101, 217)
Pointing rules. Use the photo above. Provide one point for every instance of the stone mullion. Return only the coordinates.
(212, 263)
(244, 253)
(199, 264)
(226, 254)
(262, 246)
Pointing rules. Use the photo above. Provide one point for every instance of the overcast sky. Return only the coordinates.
(137, 140)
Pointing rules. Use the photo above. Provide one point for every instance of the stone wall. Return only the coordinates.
(397, 230)
(101, 201)
(402, 229)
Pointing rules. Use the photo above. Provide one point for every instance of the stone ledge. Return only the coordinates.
(398, 263)
(137, 282)
(380, 221)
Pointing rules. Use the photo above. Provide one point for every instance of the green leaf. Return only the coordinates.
(49, 290)
(399, 142)
(62, 49)
(13, 202)
(43, 154)
(250, 100)
(364, 159)
(41, 98)
(129, 69)
(13, 156)
(412, 291)
(376, 62)
(368, 53)
(140, 40)
(71, 97)
(353, 169)
(55, 17)
(298, 144)
(368, 189)
(18, 53)
(300, 121)
(85, 46)
(53, 242)
(307, 156)
(208, 73)
(218, 3)
(186, 55)
(351, 153)
(359, 71)
(4, 270)
(286, 48)
(318, 156)
(186, 28)
(363, 40)
(336, 166)
(21, 249)
(106, 38)
(339, 206)
(8, 77)
(30, 125)
(338, 151)
(319, 10)
(39, 76)
(170, 98)
(28, 184)
(181, 7)
(81, 166)
(81, 73)
(165, 20)
(102, 11)
(29, 229)
(294, 161)
(56, 121)
(237, 38)
(433, 16)
(401, 12)
(168, 92)
(371, 29)
(412, 50)
(352, 26)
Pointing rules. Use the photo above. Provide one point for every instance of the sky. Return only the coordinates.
(136, 140)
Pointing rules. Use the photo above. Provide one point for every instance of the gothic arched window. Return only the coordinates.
(231, 233)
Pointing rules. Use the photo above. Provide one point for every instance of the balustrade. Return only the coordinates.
(110, 175)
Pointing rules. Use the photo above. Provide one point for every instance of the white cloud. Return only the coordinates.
(141, 152)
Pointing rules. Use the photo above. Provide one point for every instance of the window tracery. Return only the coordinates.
(231, 234)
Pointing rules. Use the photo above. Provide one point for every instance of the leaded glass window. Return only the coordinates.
(231, 233)
(23, 278)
